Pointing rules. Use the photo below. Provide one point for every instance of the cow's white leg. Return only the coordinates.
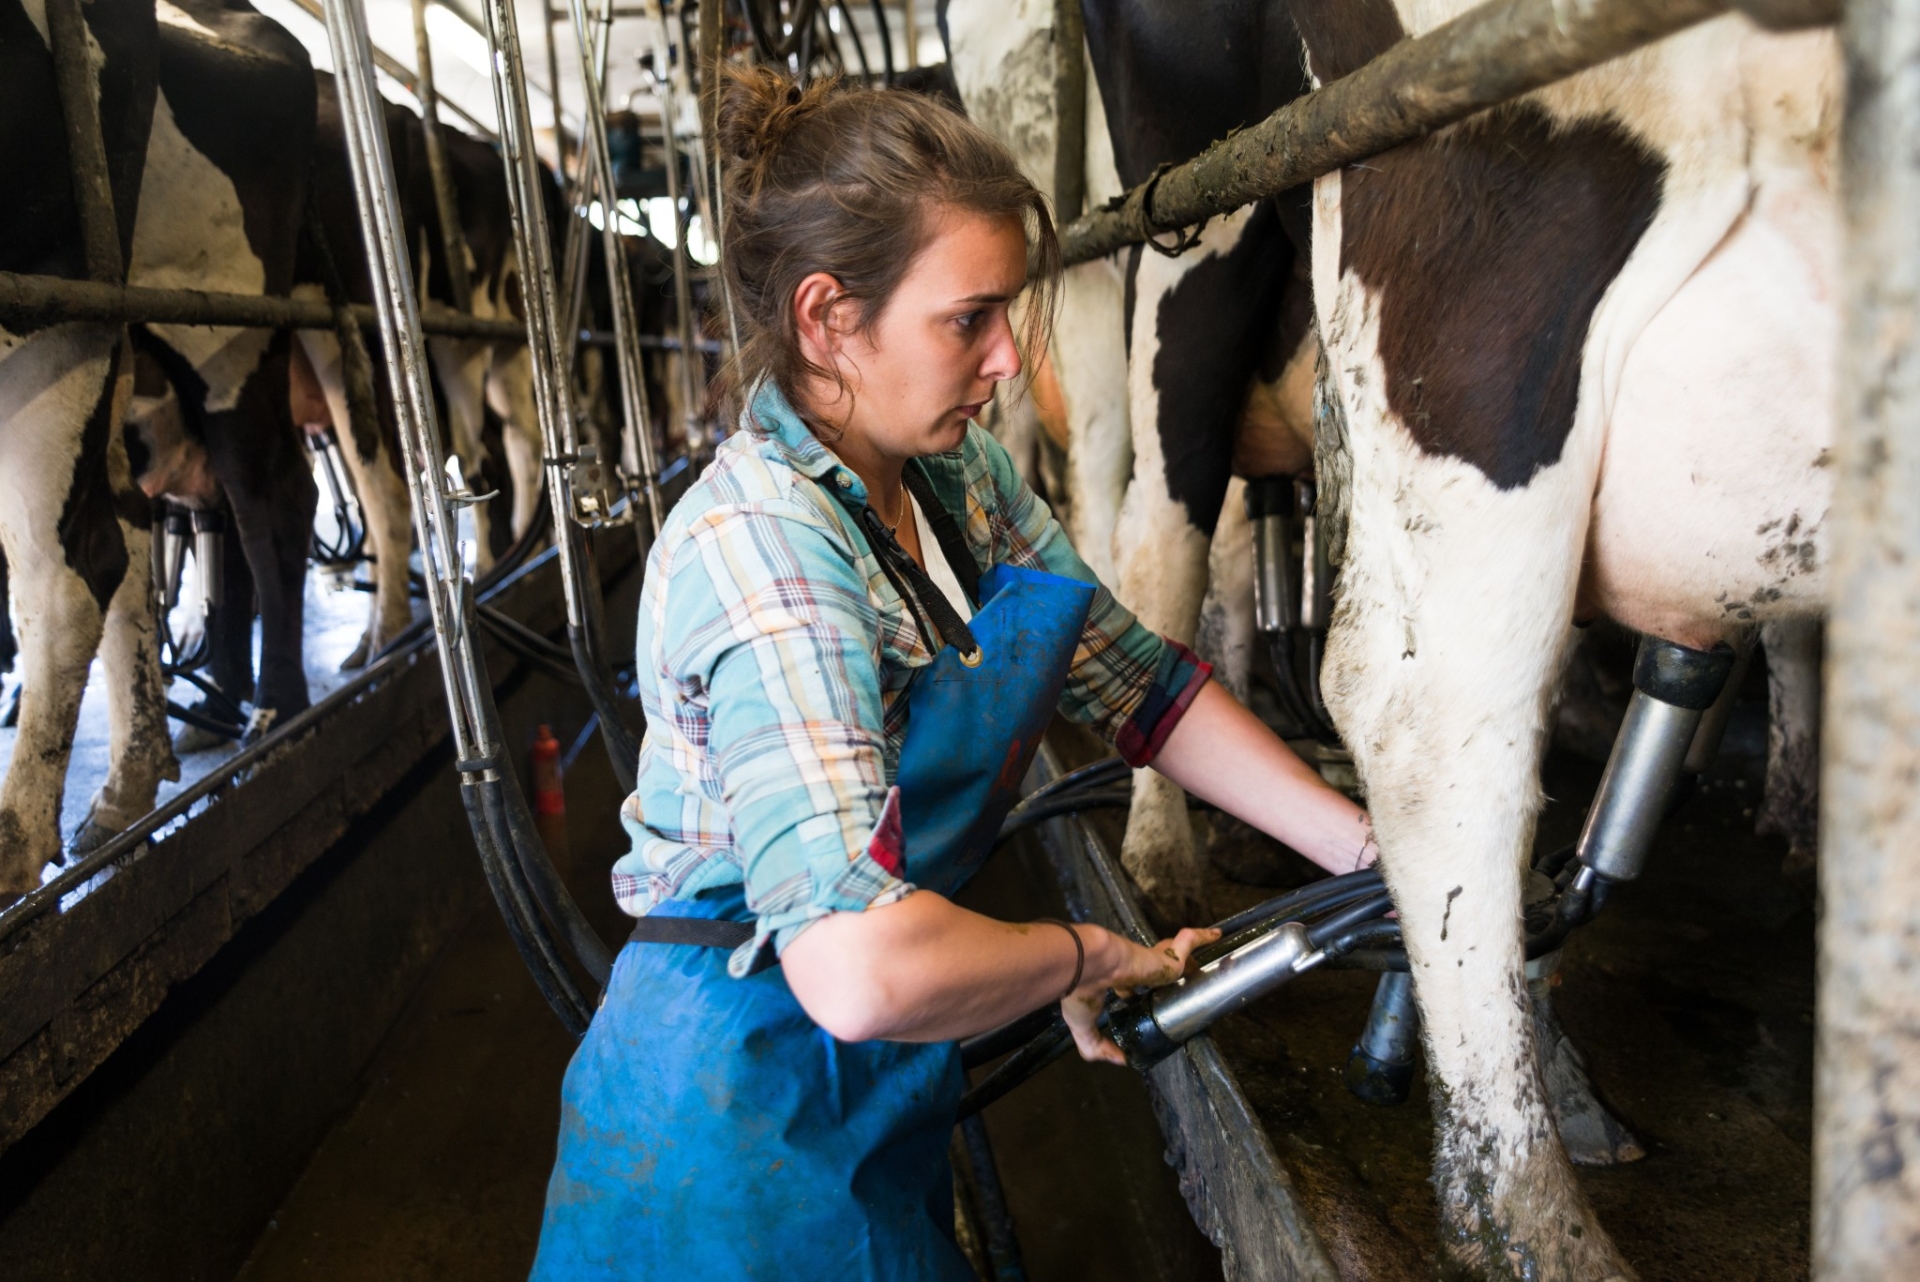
(1089, 357)
(139, 749)
(55, 401)
(1453, 615)
(462, 367)
(1791, 806)
(383, 501)
(510, 393)
(1161, 560)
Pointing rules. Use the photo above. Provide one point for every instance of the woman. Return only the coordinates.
(854, 627)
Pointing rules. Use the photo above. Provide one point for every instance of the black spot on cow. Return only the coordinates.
(89, 535)
(1213, 328)
(1489, 247)
(1344, 35)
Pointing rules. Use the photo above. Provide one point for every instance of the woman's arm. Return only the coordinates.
(1220, 752)
(926, 970)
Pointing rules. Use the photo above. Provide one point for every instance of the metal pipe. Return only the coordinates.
(210, 555)
(553, 406)
(453, 241)
(46, 300)
(86, 147)
(1316, 571)
(1069, 110)
(626, 324)
(403, 74)
(1485, 57)
(1673, 686)
(682, 260)
(1270, 512)
(1152, 1026)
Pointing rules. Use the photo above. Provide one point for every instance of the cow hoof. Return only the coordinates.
(259, 725)
(1591, 1134)
(89, 837)
(357, 657)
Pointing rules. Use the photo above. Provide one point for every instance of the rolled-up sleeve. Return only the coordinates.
(775, 637)
(1128, 683)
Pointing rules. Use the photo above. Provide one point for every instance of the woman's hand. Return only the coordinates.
(1117, 964)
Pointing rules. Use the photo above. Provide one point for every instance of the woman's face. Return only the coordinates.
(928, 363)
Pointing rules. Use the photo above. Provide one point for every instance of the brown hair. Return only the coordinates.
(841, 180)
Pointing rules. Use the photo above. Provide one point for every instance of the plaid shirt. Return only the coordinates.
(773, 653)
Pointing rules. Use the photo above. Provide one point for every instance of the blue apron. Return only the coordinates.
(709, 1129)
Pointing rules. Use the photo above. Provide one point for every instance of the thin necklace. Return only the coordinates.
(895, 527)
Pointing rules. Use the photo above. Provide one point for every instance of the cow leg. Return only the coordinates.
(1089, 360)
(1791, 804)
(1441, 688)
(1196, 325)
(462, 369)
(262, 464)
(66, 558)
(1591, 1134)
(510, 393)
(139, 752)
(383, 501)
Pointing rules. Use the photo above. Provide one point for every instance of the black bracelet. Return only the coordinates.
(1079, 954)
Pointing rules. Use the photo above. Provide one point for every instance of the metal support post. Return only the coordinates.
(1866, 1147)
(453, 241)
(690, 359)
(533, 902)
(551, 399)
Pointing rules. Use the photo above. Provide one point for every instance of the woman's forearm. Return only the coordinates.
(926, 970)
(1223, 754)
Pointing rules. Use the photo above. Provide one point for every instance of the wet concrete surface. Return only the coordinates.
(1692, 998)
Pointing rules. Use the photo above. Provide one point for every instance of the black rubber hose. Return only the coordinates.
(991, 1045)
(859, 45)
(1003, 1248)
(1017, 1068)
(222, 704)
(200, 720)
(886, 40)
(1323, 932)
(549, 892)
(1028, 813)
(528, 940)
(1311, 897)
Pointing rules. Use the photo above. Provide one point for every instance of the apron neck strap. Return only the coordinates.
(946, 531)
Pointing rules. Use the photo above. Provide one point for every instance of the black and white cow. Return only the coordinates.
(206, 197)
(1583, 347)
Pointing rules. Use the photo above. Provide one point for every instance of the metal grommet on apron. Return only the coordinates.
(709, 1127)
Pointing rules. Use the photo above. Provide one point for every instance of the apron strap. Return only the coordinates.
(703, 931)
(946, 532)
(929, 603)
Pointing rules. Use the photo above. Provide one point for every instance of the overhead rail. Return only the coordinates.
(1485, 57)
(45, 300)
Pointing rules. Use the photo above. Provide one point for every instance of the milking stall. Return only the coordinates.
(1004, 639)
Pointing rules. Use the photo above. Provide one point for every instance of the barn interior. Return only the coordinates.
(288, 1025)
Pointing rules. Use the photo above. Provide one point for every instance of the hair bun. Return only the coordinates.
(759, 108)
